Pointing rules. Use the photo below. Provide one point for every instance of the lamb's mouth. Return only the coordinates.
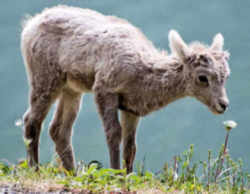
(216, 109)
(219, 112)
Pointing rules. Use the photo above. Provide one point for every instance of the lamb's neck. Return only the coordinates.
(165, 84)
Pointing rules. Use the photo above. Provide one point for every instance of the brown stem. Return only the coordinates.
(175, 164)
(221, 159)
(208, 170)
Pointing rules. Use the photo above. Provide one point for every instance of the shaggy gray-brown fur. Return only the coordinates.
(71, 51)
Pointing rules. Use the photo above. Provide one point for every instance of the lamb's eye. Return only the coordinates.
(203, 80)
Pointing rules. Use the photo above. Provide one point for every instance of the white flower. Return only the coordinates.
(18, 122)
(175, 176)
(230, 124)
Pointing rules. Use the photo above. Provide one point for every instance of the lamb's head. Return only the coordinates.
(205, 69)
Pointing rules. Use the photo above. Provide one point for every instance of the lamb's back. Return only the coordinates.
(86, 40)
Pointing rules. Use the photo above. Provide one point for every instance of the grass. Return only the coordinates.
(215, 175)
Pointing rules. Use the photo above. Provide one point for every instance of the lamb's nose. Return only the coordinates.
(223, 105)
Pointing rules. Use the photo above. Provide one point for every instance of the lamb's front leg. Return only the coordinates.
(108, 110)
(129, 123)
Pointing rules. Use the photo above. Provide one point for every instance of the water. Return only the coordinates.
(164, 133)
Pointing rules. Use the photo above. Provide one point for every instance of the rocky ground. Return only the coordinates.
(15, 189)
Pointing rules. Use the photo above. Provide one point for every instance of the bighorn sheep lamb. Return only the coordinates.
(70, 51)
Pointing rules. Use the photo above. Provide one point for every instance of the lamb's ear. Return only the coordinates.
(177, 45)
(218, 42)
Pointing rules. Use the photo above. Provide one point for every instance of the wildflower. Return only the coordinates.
(229, 124)
(175, 176)
(18, 122)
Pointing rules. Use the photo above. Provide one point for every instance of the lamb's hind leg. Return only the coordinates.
(61, 126)
(129, 123)
(33, 118)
